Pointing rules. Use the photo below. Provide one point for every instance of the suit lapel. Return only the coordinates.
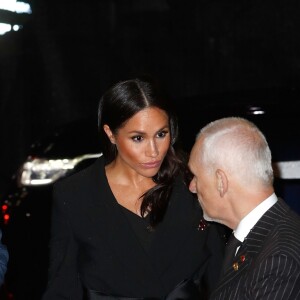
(252, 244)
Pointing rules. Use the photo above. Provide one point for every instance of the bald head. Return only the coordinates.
(239, 147)
(232, 168)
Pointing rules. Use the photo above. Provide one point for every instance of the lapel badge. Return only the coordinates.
(202, 225)
(235, 266)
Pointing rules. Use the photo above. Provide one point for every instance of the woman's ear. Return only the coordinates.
(222, 182)
(109, 134)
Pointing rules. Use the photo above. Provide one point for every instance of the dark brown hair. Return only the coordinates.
(121, 102)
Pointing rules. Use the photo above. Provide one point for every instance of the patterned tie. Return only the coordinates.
(230, 251)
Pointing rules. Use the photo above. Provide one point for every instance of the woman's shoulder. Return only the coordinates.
(82, 178)
(183, 196)
(181, 185)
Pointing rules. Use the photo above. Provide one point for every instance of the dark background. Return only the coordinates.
(69, 52)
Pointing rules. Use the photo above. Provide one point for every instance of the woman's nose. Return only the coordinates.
(152, 149)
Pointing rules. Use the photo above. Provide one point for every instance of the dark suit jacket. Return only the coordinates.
(93, 244)
(267, 266)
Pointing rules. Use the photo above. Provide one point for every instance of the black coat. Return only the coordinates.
(93, 244)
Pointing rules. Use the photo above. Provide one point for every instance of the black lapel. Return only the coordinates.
(178, 231)
(253, 243)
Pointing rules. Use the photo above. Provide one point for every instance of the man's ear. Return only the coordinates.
(222, 182)
(109, 133)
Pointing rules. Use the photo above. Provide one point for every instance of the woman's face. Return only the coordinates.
(143, 141)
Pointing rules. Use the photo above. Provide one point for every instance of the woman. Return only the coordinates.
(127, 227)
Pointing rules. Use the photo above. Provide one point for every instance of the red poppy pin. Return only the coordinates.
(202, 225)
(236, 265)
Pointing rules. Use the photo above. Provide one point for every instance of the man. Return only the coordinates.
(233, 179)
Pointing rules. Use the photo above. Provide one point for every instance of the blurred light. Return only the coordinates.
(258, 112)
(15, 6)
(287, 169)
(41, 171)
(16, 27)
(6, 218)
(4, 207)
(255, 110)
(4, 28)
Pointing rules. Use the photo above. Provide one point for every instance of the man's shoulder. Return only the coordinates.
(284, 238)
(289, 220)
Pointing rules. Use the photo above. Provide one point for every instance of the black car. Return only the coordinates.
(26, 208)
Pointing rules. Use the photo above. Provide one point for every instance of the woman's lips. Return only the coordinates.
(151, 165)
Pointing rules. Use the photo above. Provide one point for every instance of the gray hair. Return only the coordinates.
(237, 145)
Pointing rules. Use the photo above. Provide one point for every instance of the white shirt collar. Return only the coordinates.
(251, 219)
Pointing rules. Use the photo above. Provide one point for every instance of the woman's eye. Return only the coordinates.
(137, 138)
(162, 134)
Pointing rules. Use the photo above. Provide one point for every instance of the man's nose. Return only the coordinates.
(192, 186)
